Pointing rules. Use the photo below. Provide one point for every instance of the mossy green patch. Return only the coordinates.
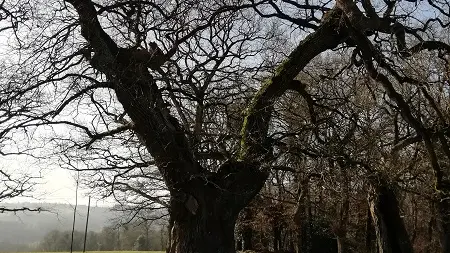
(248, 112)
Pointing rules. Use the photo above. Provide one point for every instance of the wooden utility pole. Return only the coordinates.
(74, 213)
(87, 222)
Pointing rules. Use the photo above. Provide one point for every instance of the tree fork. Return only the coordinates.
(254, 144)
(204, 205)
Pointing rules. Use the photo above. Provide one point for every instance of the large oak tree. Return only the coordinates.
(138, 53)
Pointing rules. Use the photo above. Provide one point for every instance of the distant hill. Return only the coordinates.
(24, 228)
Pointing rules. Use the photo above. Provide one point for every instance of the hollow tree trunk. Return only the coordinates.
(390, 231)
(205, 213)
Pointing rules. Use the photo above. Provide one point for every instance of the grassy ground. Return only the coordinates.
(106, 252)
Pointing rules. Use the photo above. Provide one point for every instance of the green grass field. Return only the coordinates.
(104, 252)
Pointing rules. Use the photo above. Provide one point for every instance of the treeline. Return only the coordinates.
(351, 175)
(127, 237)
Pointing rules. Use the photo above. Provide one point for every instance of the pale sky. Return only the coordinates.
(56, 186)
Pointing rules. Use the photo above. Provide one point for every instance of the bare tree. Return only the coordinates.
(146, 88)
(14, 107)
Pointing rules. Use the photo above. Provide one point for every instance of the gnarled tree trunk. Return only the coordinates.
(204, 215)
(204, 205)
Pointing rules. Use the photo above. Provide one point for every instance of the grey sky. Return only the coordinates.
(57, 185)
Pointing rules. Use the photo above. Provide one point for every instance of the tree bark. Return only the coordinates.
(277, 238)
(369, 231)
(443, 189)
(204, 214)
(341, 245)
(444, 223)
(247, 237)
(302, 218)
(210, 229)
(344, 209)
(247, 230)
(390, 231)
(204, 205)
(429, 237)
(357, 25)
(254, 143)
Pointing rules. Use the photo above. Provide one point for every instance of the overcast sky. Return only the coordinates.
(56, 186)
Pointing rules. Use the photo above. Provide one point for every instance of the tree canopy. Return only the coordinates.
(191, 106)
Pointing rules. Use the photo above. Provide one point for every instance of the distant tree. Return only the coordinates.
(108, 239)
(49, 241)
(92, 242)
(141, 243)
(60, 241)
(14, 183)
